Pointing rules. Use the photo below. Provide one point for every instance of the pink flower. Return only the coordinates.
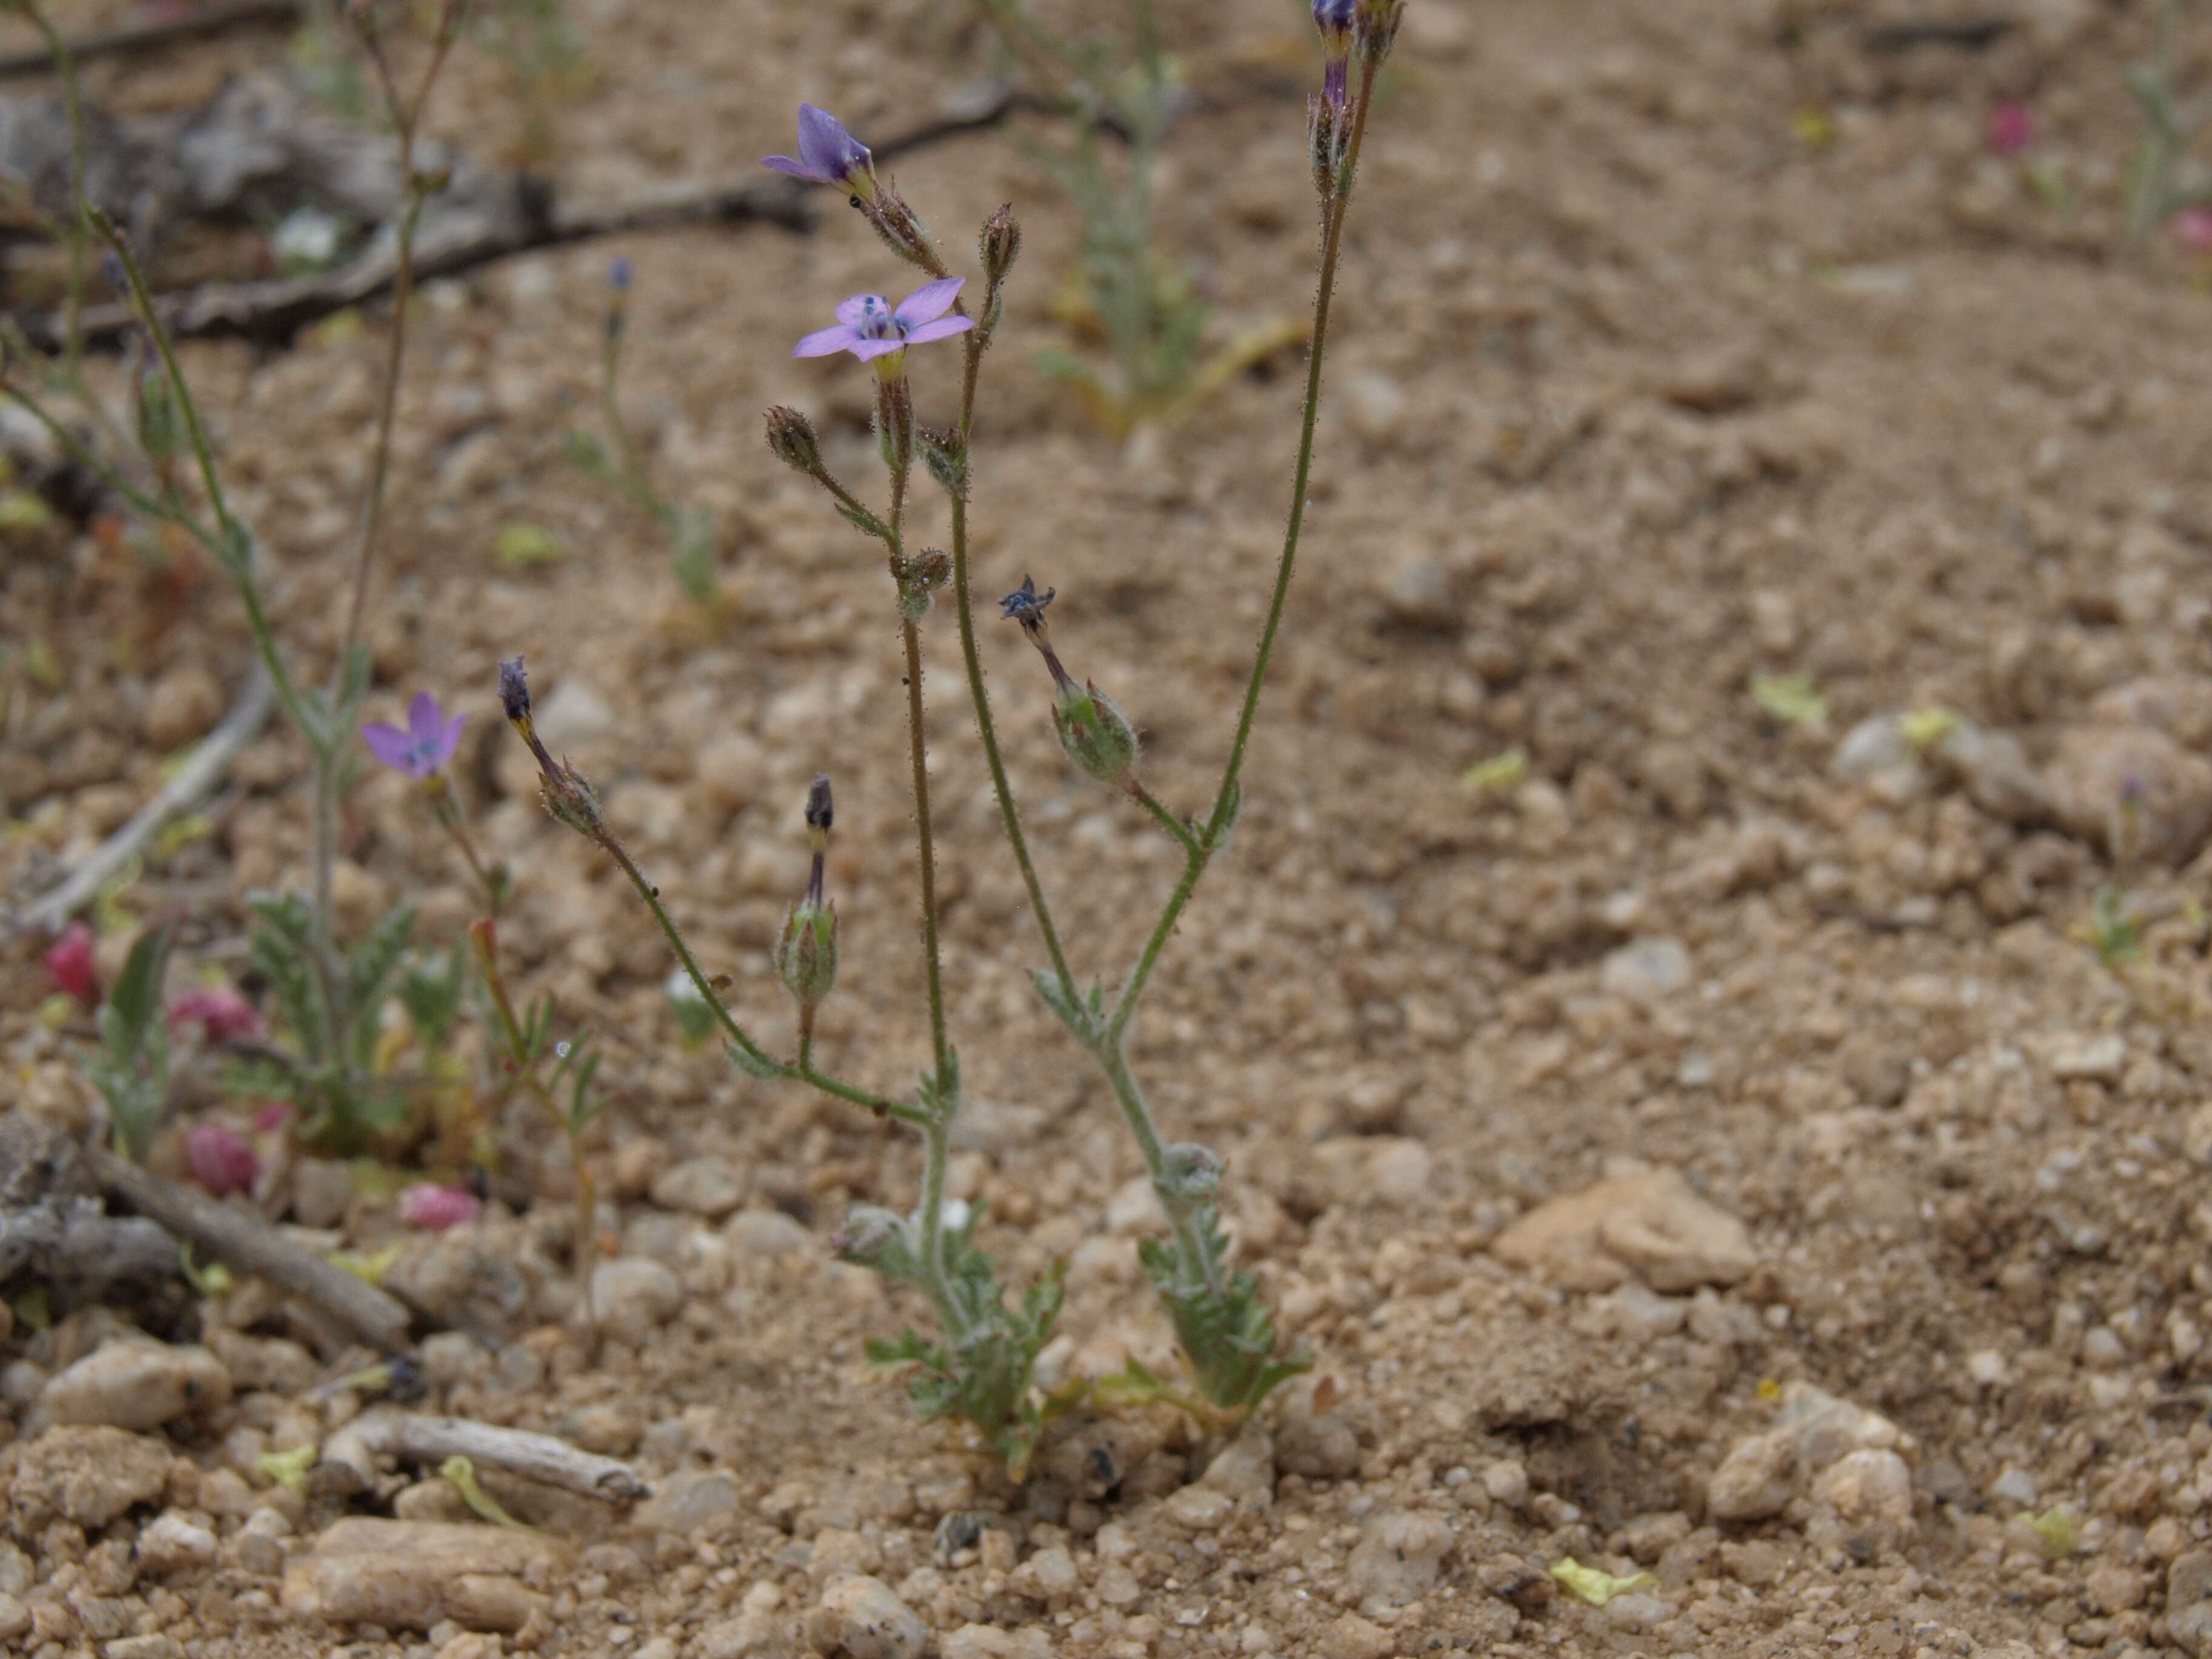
(222, 1014)
(274, 1117)
(2193, 228)
(223, 1160)
(426, 1204)
(868, 327)
(69, 964)
(2012, 128)
(422, 750)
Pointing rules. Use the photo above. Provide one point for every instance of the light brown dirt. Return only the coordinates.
(1637, 395)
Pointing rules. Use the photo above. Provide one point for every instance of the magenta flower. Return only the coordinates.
(2193, 228)
(68, 965)
(220, 1012)
(868, 327)
(2012, 128)
(426, 1204)
(828, 155)
(422, 750)
(223, 1160)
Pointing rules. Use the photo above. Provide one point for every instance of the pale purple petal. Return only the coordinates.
(850, 311)
(796, 169)
(390, 744)
(867, 350)
(929, 301)
(943, 329)
(825, 146)
(426, 1204)
(450, 738)
(825, 341)
(425, 721)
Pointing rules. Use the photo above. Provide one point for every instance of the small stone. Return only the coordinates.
(1398, 1557)
(732, 769)
(1638, 1610)
(2189, 1578)
(1877, 756)
(15, 1618)
(571, 714)
(1506, 1480)
(322, 1192)
(860, 1617)
(2014, 1486)
(181, 705)
(2115, 1588)
(2075, 1059)
(1199, 1508)
(632, 1297)
(1993, 770)
(155, 1645)
(989, 1642)
(1823, 1428)
(174, 1544)
(1868, 1486)
(1522, 1583)
(1642, 1316)
(1048, 1574)
(86, 1475)
(1244, 1470)
(414, 1574)
(1134, 1208)
(1757, 1562)
(2132, 791)
(705, 1186)
(1319, 1445)
(1652, 1224)
(1399, 1170)
(132, 1383)
(453, 1357)
(1375, 405)
(689, 1500)
(1354, 1638)
(1757, 1479)
(1645, 969)
(1419, 594)
(767, 1233)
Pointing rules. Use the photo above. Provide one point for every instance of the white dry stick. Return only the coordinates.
(195, 778)
(385, 1431)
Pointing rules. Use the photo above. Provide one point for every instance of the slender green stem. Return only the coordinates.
(804, 1072)
(979, 697)
(1225, 799)
(1174, 826)
(1136, 1113)
(939, 1043)
(936, 1155)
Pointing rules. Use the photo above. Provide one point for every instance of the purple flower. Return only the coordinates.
(620, 274)
(422, 750)
(2012, 128)
(1336, 19)
(828, 155)
(868, 327)
(2193, 228)
(70, 965)
(428, 1204)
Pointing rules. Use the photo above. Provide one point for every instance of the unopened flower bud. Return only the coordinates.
(866, 1232)
(1001, 245)
(221, 1160)
(1190, 1172)
(1377, 27)
(806, 953)
(1095, 734)
(569, 796)
(791, 439)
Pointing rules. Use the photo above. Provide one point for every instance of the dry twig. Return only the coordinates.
(387, 1431)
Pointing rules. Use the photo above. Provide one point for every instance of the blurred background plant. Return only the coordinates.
(2164, 179)
(1125, 298)
(695, 549)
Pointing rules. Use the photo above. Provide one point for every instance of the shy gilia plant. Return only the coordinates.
(978, 1366)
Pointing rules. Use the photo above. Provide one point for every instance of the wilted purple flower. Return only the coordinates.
(70, 965)
(2012, 128)
(218, 1010)
(2193, 228)
(869, 328)
(426, 1204)
(422, 750)
(1335, 20)
(223, 1160)
(828, 155)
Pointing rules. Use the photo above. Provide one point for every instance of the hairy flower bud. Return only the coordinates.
(806, 952)
(791, 439)
(1190, 1172)
(1095, 734)
(866, 1232)
(1001, 245)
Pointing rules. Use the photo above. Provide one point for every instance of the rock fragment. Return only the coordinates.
(633, 1296)
(133, 1384)
(860, 1617)
(1398, 1558)
(86, 1475)
(1651, 1224)
(412, 1575)
(2132, 791)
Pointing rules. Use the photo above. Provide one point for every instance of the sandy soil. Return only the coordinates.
(1679, 346)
